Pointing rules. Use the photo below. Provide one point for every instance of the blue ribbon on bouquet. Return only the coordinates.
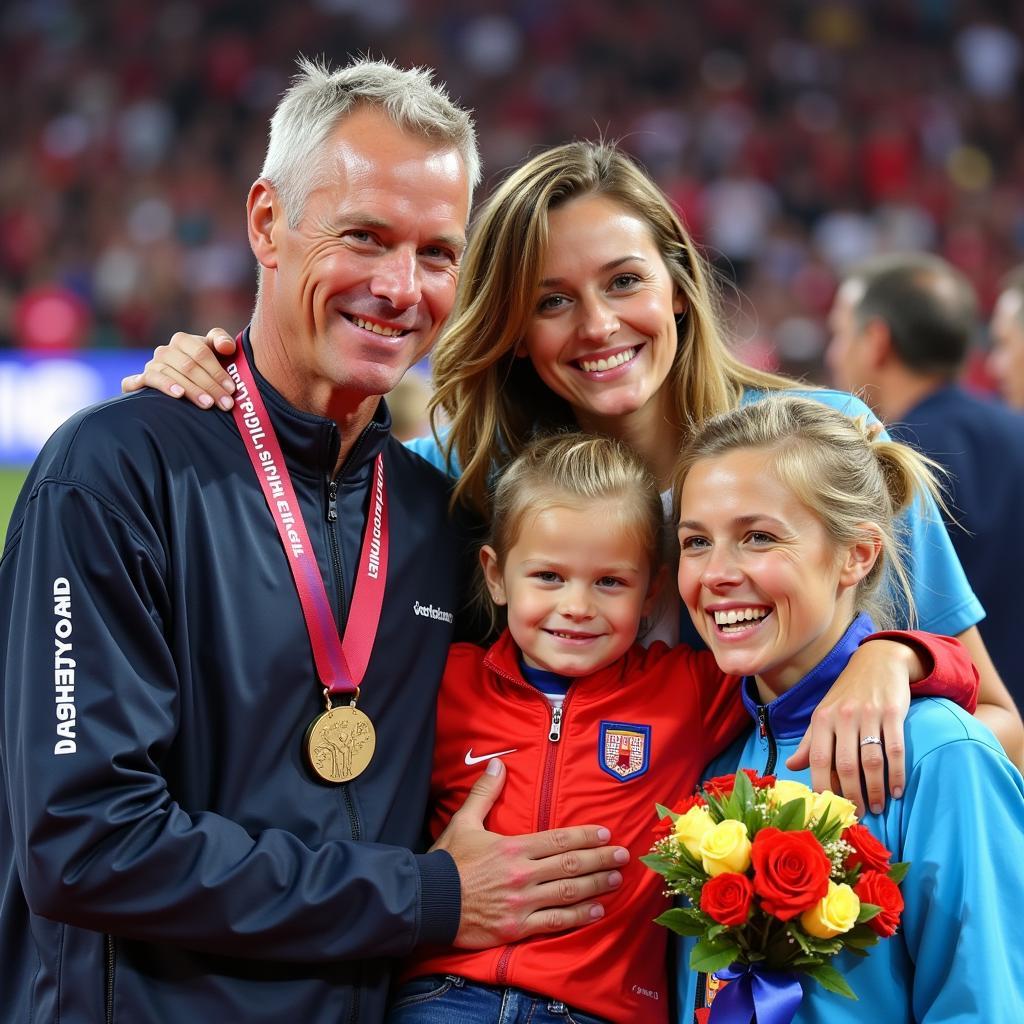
(754, 992)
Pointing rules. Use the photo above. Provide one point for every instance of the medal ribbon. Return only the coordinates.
(341, 664)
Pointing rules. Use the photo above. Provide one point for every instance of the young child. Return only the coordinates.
(786, 510)
(587, 723)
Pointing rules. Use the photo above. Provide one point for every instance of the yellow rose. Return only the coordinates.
(834, 914)
(691, 826)
(785, 790)
(836, 807)
(725, 847)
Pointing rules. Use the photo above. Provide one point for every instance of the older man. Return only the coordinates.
(902, 326)
(208, 804)
(1006, 360)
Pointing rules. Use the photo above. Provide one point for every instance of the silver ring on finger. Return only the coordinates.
(868, 740)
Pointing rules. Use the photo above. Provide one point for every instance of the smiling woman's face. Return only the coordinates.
(602, 334)
(767, 589)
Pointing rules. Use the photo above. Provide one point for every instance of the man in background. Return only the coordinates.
(1006, 360)
(901, 329)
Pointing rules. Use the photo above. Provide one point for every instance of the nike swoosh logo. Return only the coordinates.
(470, 759)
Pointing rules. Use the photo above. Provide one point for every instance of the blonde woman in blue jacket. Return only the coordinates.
(788, 558)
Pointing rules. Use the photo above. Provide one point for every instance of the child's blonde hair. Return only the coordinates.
(575, 470)
(843, 471)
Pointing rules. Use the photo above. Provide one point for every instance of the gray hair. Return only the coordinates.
(319, 98)
(928, 305)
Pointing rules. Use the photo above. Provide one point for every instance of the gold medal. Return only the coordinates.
(340, 743)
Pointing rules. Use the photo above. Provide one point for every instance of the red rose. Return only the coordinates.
(694, 800)
(790, 871)
(879, 889)
(759, 781)
(721, 786)
(868, 852)
(727, 897)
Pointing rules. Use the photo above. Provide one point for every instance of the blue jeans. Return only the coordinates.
(449, 999)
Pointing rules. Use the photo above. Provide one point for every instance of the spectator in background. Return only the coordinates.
(1006, 362)
(901, 329)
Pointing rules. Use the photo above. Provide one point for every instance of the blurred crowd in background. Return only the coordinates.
(796, 138)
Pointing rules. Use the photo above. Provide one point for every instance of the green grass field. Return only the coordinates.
(11, 480)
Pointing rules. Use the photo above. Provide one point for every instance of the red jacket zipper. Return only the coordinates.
(546, 793)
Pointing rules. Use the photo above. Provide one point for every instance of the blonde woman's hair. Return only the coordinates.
(576, 470)
(495, 402)
(854, 481)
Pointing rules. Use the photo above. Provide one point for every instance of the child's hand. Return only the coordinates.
(188, 367)
(516, 886)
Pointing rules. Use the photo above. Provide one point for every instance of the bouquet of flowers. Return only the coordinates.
(778, 879)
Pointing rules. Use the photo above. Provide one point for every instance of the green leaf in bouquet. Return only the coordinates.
(799, 937)
(828, 828)
(681, 921)
(732, 808)
(805, 960)
(658, 862)
(691, 864)
(810, 944)
(716, 930)
(827, 947)
(754, 822)
(665, 812)
(868, 911)
(709, 956)
(716, 807)
(898, 871)
(860, 936)
(790, 817)
(829, 978)
(743, 792)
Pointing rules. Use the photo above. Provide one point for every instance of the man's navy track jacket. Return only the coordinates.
(182, 864)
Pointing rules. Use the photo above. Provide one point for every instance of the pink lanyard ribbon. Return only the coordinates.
(341, 664)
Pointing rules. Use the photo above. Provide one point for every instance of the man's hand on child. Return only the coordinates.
(517, 886)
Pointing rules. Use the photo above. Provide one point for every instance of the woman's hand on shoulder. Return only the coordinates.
(857, 728)
(187, 367)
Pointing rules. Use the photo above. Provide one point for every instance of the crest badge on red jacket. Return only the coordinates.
(624, 750)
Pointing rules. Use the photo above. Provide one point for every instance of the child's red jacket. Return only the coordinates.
(636, 733)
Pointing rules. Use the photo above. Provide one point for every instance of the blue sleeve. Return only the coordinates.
(962, 925)
(428, 448)
(944, 599)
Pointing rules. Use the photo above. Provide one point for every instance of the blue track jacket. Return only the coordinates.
(165, 853)
(956, 957)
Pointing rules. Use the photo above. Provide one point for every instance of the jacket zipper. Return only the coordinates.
(547, 788)
(765, 729)
(108, 941)
(339, 574)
